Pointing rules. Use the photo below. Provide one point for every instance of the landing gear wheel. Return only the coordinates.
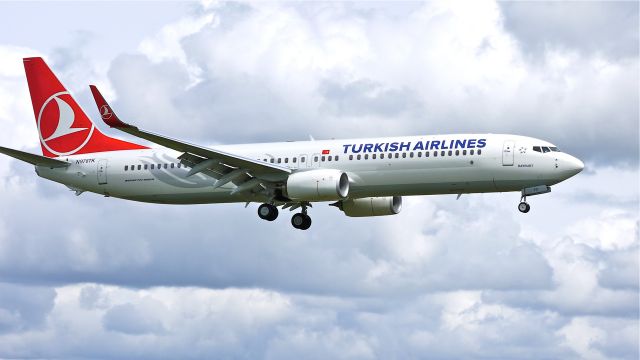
(301, 221)
(524, 207)
(267, 212)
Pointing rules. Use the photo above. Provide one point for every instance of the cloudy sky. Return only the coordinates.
(89, 277)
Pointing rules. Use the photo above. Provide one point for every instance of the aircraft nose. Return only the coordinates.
(574, 165)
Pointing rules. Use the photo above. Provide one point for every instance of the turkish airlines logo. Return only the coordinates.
(55, 122)
(105, 112)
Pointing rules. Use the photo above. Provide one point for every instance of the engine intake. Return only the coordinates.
(318, 185)
(371, 206)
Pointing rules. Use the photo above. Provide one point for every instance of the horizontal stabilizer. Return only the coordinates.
(33, 159)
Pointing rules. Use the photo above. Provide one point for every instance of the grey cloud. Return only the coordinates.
(136, 319)
(621, 270)
(91, 250)
(366, 97)
(606, 27)
(24, 308)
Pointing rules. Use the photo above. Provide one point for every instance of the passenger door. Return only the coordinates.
(507, 153)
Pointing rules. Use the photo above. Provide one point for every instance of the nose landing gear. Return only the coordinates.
(530, 191)
(524, 207)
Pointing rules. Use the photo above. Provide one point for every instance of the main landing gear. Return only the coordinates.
(268, 212)
(300, 221)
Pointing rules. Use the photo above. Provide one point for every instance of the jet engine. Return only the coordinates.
(371, 206)
(318, 185)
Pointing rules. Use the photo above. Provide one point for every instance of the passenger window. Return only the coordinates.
(272, 160)
(545, 149)
(435, 154)
(153, 166)
(373, 156)
(286, 160)
(302, 159)
(537, 148)
(366, 156)
(265, 160)
(329, 158)
(294, 160)
(419, 154)
(350, 157)
(397, 155)
(464, 152)
(404, 155)
(358, 157)
(471, 152)
(315, 159)
(457, 152)
(145, 166)
(411, 154)
(337, 157)
(126, 167)
(179, 165)
(139, 167)
(381, 156)
(479, 151)
(166, 166)
(173, 165)
(159, 166)
(426, 154)
(442, 153)
(450, 152)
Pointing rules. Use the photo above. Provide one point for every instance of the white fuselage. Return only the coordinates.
(417, 165)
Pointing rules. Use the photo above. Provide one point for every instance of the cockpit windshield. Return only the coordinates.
(545, 149)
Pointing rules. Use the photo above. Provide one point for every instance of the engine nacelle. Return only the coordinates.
(318, 185)
(371, 206)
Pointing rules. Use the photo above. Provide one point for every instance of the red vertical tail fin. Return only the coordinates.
(63, 127)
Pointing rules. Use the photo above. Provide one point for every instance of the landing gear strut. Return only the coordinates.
(267, 212)
(301, 220)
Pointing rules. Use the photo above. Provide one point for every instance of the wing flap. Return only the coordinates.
(33, 158)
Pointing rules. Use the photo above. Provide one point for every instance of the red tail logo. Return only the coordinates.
(60, 133)
(63, 127)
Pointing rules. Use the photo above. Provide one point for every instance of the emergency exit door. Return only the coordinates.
(102, 172)
(507, 153)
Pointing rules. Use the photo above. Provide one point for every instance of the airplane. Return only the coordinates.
(361, 177)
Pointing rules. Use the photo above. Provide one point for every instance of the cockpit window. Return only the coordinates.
(545, 149)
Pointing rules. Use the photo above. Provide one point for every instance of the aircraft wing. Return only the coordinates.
(33, 158)
(254, 167)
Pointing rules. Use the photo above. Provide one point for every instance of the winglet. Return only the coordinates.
(106, 113)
